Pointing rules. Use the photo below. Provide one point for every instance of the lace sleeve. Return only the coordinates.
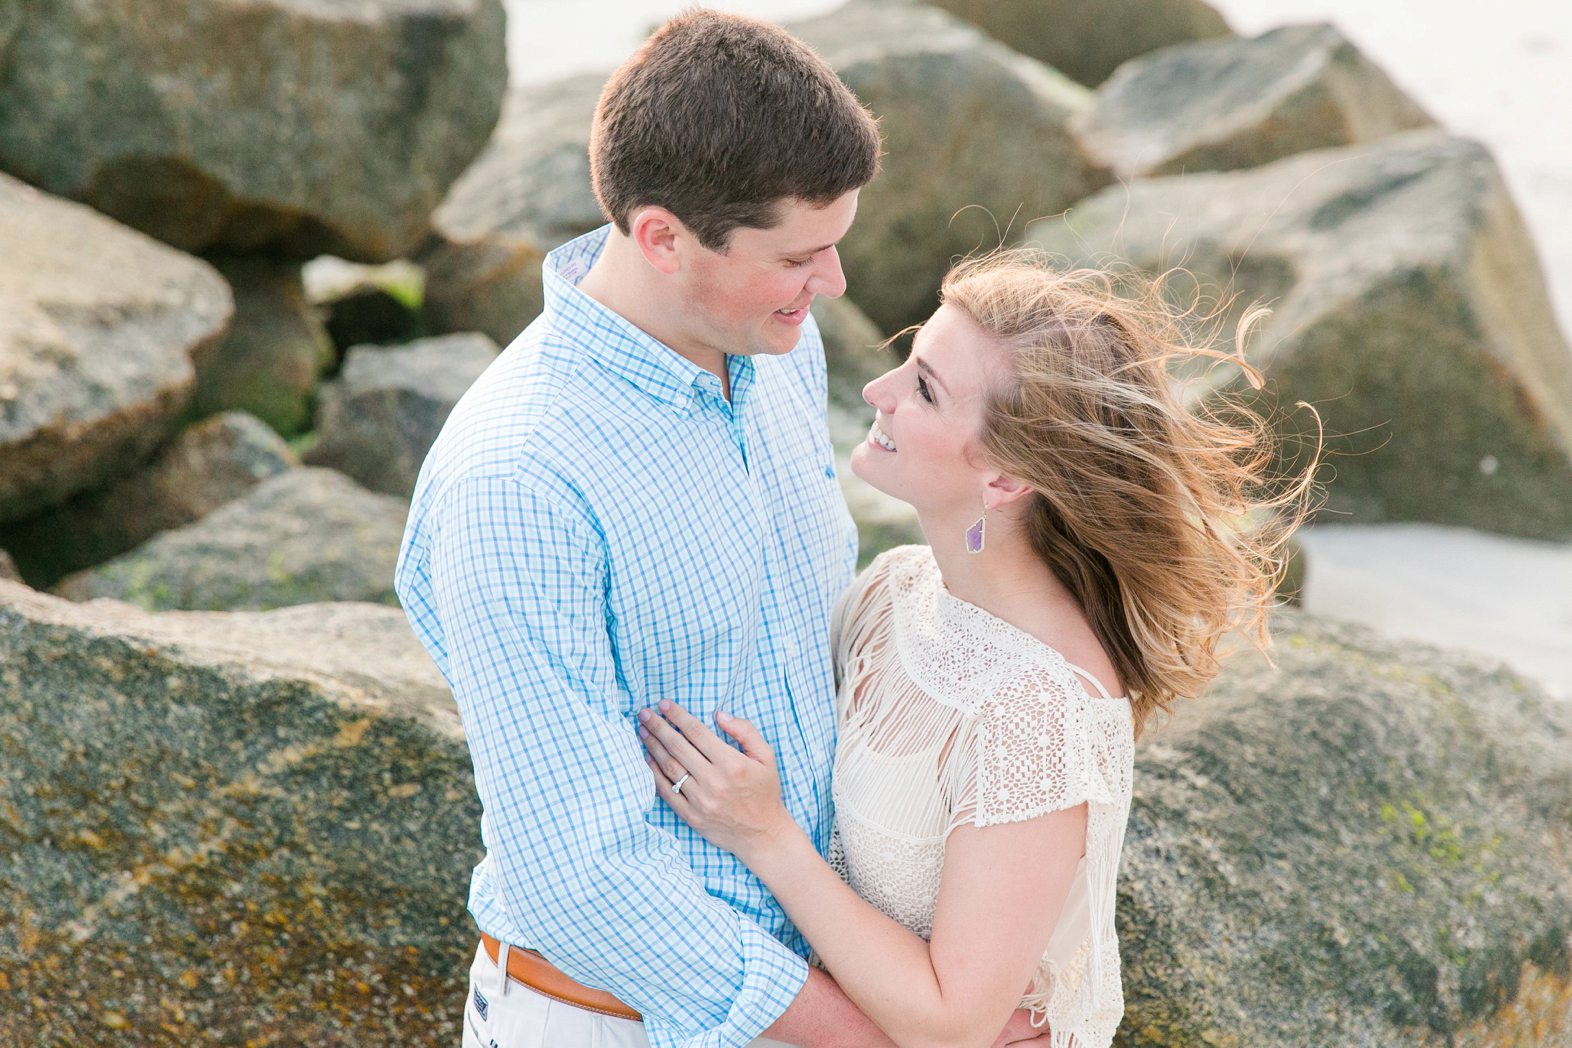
(1031, 751)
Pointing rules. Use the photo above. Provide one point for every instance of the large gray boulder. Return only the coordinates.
(213, 463)
(527, 193)
(306, 126)
(977, 144)
(276, 349)
(1226, 104)
(255, 827)
(1368, 846)
(10, 22)
(301, 537)
(1088, 41)
(1409, 308)
(376, 422)
(99, 327)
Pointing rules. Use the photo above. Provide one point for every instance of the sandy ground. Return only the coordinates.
(1509, 598)
(1500, 72)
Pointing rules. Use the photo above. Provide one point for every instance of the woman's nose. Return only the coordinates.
(877, 394)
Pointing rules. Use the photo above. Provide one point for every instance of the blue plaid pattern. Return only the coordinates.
(596, 529)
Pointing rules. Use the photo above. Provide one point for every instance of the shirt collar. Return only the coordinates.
(621, 346)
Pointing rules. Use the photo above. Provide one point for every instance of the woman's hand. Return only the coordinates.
(732, 799)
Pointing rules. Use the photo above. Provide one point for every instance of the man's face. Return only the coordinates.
(754, 297)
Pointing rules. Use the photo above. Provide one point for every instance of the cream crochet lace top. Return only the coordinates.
(948, 715)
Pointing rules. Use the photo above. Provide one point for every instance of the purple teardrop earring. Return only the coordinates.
(974, 534)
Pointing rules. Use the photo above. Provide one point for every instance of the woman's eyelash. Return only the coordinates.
(922, 388)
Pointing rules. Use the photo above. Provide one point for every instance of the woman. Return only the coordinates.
(1089, 539)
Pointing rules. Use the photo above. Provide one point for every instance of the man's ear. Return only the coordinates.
(1003, 490)
(661, 237)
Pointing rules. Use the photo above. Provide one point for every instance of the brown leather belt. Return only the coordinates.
(540, 975)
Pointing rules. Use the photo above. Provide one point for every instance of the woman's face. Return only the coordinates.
(925, 443)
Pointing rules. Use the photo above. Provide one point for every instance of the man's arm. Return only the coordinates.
(518, 581)
(822, 1016)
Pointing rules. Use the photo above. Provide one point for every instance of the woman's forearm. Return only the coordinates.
(884, 968)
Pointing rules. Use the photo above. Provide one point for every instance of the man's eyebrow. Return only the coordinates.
(927, 369)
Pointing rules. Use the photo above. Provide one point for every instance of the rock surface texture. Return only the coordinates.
(258, 827)
(1227, 104)
(976, 146)
(1366, 847)
(1409, 308)
(301, 537)
(276, 348)
(99, 326)
(306, 126)
(379, 418)
(527, 193)
(212, 463)
(1086, 42)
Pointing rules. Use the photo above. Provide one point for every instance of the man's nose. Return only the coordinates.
(828, 279)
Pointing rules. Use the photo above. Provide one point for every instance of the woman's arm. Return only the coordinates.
(1000, 895)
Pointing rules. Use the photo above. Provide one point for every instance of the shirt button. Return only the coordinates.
(789, 645)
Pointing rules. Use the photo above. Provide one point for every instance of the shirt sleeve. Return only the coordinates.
(518, 581)
(1032, 750)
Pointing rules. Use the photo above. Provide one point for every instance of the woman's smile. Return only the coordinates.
(880, 439)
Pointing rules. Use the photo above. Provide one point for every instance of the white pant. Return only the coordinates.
(509, 1014)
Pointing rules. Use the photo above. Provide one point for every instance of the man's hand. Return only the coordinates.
(1020, 1031)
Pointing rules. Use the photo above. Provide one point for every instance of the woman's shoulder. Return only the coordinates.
(893, 565)
(902, 557)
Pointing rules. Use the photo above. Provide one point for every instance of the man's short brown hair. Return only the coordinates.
(718, 118)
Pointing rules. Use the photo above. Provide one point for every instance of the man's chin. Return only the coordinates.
(774, 341)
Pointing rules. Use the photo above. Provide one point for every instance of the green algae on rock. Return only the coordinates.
(1368, 846)
(304, 536)
(275, 351)
(251, 828)
(210, 464)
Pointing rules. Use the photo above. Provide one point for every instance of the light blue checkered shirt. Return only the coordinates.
(596, 529)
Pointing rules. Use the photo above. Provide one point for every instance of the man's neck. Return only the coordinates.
(623, 282)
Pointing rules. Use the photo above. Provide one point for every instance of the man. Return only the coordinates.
(638, 501)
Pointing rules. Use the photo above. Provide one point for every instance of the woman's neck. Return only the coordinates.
(1009, 581)
(1007, 578)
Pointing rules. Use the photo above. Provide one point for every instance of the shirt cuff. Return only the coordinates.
(772, 978)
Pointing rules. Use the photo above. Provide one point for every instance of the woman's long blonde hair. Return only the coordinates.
(1162, 519)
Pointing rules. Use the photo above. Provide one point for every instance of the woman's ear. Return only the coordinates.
(659, 235)
(1003, 490)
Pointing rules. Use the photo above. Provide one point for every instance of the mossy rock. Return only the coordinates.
(253, 828)
(1367, 846)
